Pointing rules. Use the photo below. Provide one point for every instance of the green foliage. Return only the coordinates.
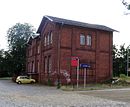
(15, 58)
(128, 7)
(19, 34)
(126, 4)
(119, 60)
(49, 83)
(4, 62)
(122, 82)
(123, 76)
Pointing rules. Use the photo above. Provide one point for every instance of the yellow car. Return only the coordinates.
(24, 80)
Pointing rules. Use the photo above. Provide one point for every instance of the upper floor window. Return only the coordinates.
(45, 41)
(48, 39)
(51, 35)
(89, 40)
(38, 49)
(82, 39)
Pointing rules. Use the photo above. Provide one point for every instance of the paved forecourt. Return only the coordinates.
(33, 95)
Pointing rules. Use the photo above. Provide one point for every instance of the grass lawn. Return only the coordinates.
(128, 79)
(123, 82)
(93, 87)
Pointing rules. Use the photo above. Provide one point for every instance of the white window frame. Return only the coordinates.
(89, 40)
(45, 64)
(33, 66)
(45, 41)
(38, 66)
(49, 64)
(38, 49)
(51, 35)
(48, 39)
(82, 39)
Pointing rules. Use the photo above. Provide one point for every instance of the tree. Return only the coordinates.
(119, 60)
(5, 63)
(126, 4)
(18, 36)
(1, 62)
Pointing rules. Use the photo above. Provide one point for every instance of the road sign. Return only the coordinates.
(84, 65)
(74, 61)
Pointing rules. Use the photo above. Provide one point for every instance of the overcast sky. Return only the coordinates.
(104, 12)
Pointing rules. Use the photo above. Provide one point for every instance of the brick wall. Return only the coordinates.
(98, 55)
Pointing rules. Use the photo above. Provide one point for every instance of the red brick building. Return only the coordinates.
(49, 54)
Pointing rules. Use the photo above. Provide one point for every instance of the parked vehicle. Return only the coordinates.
(24, 80)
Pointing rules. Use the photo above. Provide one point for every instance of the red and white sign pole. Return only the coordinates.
(75, 63)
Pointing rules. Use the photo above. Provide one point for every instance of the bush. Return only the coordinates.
(123, 76)
(122, 82)
(49, 82)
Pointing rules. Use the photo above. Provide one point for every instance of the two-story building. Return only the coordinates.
(49, 54)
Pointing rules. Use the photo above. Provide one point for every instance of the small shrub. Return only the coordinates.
(49, 83)
(109, 81)
(122, 82)
(123, 76)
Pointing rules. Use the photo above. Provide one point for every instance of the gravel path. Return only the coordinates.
(13, 95)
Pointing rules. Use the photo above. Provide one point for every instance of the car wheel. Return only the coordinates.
(32, 82)
(19, 82)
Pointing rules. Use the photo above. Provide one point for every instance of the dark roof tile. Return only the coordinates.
(74, 23)
(81, 24)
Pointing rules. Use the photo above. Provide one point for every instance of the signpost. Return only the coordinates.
(85, 66)
(75, 63)
(84, 77)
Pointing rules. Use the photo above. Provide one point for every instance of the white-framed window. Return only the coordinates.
(28, 67)
(33, 67)
(38, 66)
(49, 64)
(45, 64)
(82, 39)
(31, 51)
(45, 41)
(89, 40)
(51, 35)
(38, 49)
(48, 39)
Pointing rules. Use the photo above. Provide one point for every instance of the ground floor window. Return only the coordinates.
(45, 64)
(48, 64)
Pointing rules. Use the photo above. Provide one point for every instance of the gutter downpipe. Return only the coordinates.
(59, 55)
